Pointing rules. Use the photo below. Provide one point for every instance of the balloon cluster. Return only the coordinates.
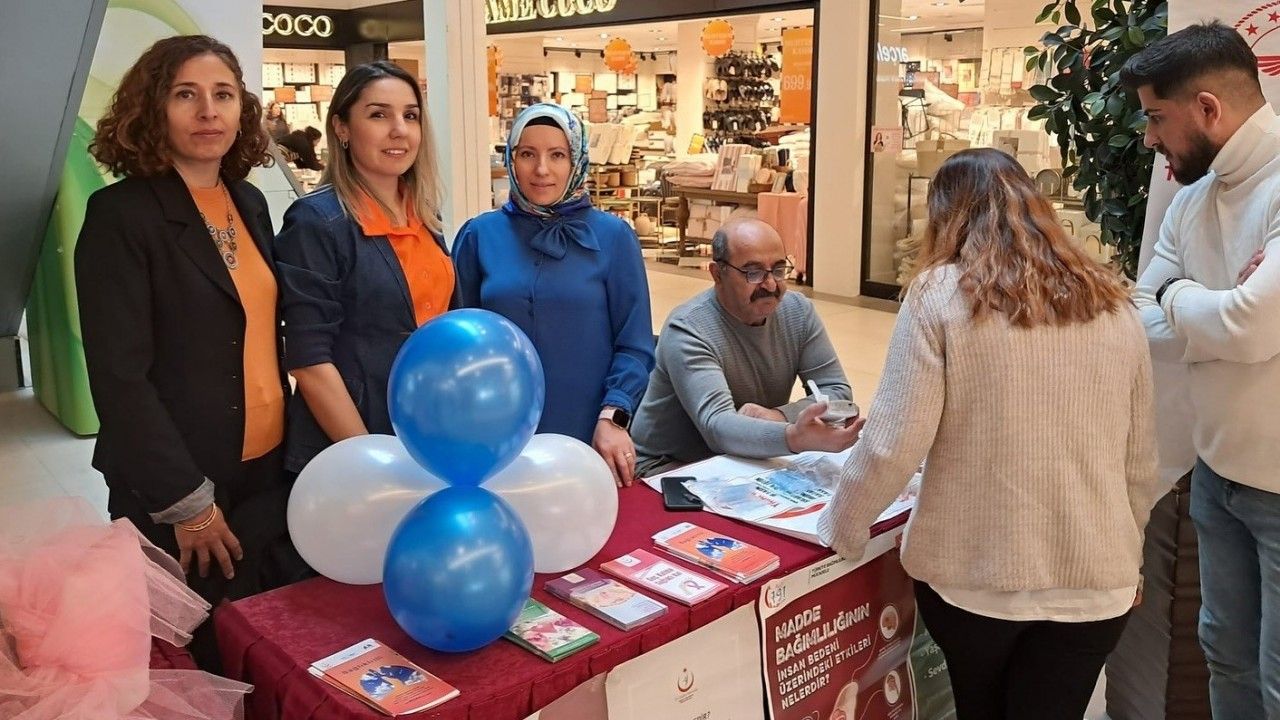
(456, 559)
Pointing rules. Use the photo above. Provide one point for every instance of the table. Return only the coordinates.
(682, 214)
(270, 639)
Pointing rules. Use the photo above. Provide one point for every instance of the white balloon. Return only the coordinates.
(564, 493)
(348, 500)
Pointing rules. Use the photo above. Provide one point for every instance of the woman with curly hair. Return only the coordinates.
(179, 313)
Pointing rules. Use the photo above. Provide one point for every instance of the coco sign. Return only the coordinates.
(302, 25)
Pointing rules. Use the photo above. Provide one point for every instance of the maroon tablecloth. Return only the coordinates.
(270, 639)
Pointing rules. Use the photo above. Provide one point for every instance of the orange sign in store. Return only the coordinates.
(717, 37)
(797, 75)
(495, 59)
(617, 55)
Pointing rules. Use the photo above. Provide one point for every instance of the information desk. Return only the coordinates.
(269, 640)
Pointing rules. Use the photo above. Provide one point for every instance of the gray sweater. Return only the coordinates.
(1040, 443)
(710, 364)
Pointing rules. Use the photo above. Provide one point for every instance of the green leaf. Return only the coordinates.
(1044, 14)
(1120, 140)
(1043, 93)
(1135, 37)
(1072, 13)
(1052, 39)
(1056, 17)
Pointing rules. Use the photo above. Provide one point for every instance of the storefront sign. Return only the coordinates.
(301, 25)
(839, 642)
(797, 75)
(717, 37)
(618, 56)
(503, 11)
(888, 53)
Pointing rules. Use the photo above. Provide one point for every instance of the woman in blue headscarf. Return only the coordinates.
(572, 278)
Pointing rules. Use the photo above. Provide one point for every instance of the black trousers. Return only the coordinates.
(1007, 670)
(255, 503)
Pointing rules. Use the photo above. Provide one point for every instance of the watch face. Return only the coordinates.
(622, 418)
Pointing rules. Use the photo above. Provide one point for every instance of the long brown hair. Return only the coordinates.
(133, 137)
(421, 182)
(987, 218)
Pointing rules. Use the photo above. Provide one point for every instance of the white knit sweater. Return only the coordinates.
(1227, 334)
(1040, 445)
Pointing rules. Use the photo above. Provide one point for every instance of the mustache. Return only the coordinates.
(761, 294)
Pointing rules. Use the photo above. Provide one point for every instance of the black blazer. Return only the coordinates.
(346, 302)
(163, 333)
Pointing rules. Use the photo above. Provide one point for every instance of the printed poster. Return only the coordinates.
(839, 643)
(797, 75)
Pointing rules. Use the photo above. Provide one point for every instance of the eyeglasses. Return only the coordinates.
(755, 276)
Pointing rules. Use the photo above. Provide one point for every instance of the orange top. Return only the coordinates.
(256, 286)
(426, 267)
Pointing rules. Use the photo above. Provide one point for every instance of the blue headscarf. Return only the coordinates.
(552, 238)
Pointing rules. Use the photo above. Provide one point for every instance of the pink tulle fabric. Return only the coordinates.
(80, 600)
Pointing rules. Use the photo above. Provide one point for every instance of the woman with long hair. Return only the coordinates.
(179, 313)
(572, 277)
(1019, 372)
(361, 259)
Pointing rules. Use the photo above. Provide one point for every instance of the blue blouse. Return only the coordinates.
(587, 311)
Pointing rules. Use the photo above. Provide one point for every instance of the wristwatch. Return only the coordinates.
(617, 416)
(1165, 286)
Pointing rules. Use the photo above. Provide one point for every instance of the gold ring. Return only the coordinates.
(628, 455)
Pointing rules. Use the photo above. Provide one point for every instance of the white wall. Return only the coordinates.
(839, 152)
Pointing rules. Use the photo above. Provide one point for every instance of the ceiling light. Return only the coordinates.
(661, 39)
(777, 19)
(559, 38)
(604, 36)
(913, 17)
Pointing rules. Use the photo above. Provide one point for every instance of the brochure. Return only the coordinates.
(606, 598)
(383, 679)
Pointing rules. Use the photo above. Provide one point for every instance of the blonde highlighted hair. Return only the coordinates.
(987, 218)
(421, 182)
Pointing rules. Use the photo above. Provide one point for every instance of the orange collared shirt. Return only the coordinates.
(256, 286)
(426, 267)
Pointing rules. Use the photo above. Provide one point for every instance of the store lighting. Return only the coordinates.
(559, 38)
(604, 36)
(661, 39)
(777, 19)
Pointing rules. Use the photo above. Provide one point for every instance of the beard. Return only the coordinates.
(1194, 164)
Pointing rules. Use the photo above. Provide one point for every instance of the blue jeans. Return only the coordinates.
(1239, 535)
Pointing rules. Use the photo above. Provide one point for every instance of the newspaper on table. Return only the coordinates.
(786, 495)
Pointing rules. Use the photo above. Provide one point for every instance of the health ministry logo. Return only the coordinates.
(684, 683)
(1258, 28)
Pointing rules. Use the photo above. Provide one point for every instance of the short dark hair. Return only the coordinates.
(312, 133)
(133, 137)
(1172, 63)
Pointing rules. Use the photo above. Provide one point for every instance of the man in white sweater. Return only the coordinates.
(1209, 299)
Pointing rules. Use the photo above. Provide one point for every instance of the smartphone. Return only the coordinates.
(676, 497)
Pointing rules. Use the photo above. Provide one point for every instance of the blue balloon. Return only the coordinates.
(458, 570)
(466, 394)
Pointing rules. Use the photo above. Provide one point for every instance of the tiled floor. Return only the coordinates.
(39, 458)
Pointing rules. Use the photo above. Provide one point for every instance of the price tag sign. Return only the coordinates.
(797, 75)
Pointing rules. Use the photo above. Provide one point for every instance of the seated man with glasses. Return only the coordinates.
(729, 358)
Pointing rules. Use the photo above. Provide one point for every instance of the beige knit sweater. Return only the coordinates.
(1039, 442)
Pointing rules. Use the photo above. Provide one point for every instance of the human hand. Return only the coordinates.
(809, 432)
(761, 412)
(1250, 267)
(619, 452)
(214, 540)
